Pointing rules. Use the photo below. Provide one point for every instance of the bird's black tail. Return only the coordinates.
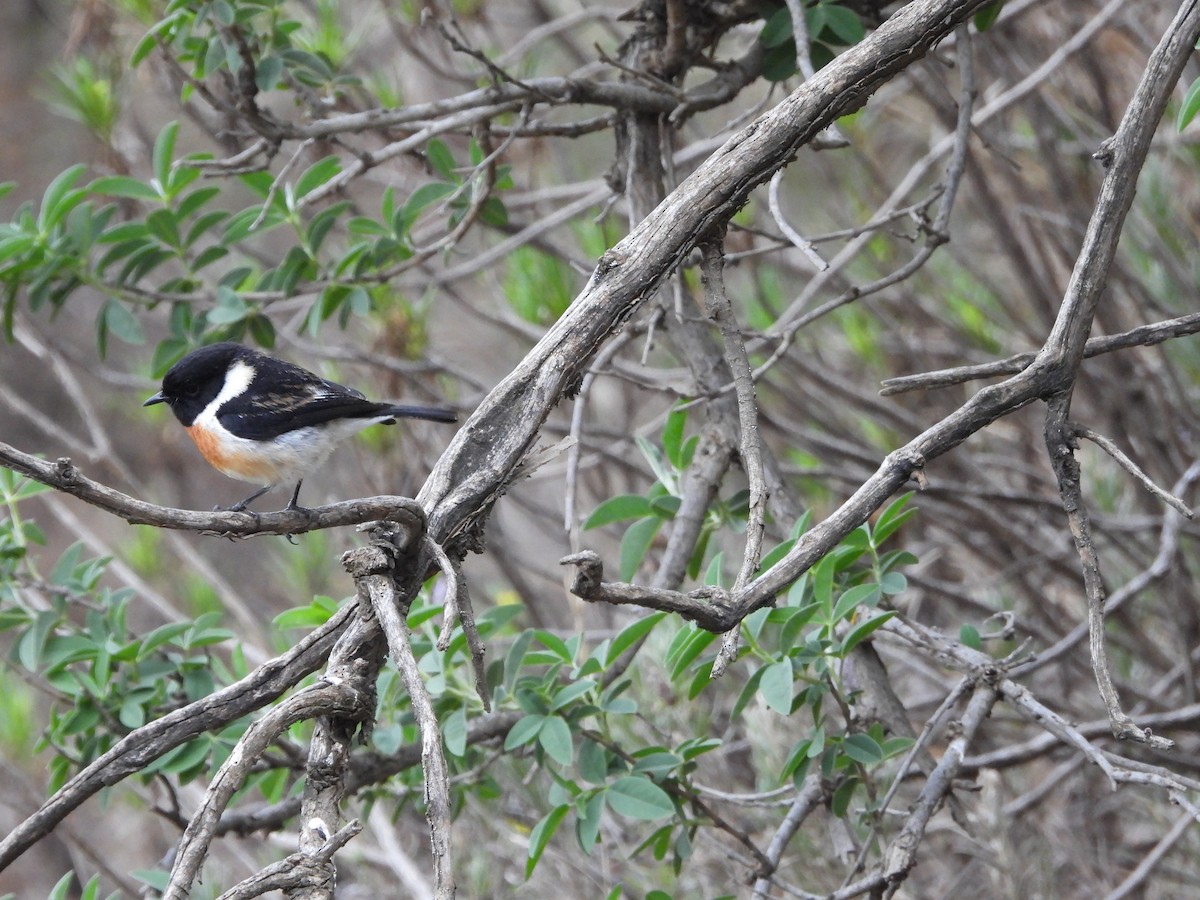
(432, 413)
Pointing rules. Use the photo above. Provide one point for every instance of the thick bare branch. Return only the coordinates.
(65, 476)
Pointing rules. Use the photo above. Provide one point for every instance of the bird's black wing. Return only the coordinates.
(284, 397)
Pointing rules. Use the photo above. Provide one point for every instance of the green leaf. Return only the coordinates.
(555, 645)
(122, 323)
(614, 704)
(656, 762)
(131, 714)
(223, 12)
(454, 732)
(515, 657)
(796, 765)
(156, 878)
(555, 738)
(62, 887)
(822, 581)
(986, 16)
(749, 689)
(775, 686)
(540, 836)
(687, 644)
(793, 624)
(317, 174)
(164, 152)
(267, 71)
(863, 630)
(816, 18)
(779, 63)
(524, 731)
(895, 515)
(639, 798)
(208, 256)
(658, 464)
(161, 635)
(15, 245)
(862, 748)
(666, 507)
(630, 635)
(592, 762)
(618, 509)
(777, 29)
(1190, 107)
(424, 196)
(587, 827)
(91, 890)
(57, 199)
(161, 223)
(312, 615)
(64, 569)
(859, 595)
(181, 758)
(365, 227)
(441, 160)
(672, 436)
(493, 212)
(570, 693)
(845, 24)
(230, 308)
(193, 201)
(969, 635)
(635, 544)
(124, 186)
(262, 330)
(839, 803)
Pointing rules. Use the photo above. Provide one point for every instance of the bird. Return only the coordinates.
(260, 419)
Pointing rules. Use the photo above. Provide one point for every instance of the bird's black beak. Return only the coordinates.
(157, 398)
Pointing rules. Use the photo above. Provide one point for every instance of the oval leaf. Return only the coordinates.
(618, 509)
(775, 686)
(639, 798)
(555, 738)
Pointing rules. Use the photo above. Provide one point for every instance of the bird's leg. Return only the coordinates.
(241, 505)
(292, 504)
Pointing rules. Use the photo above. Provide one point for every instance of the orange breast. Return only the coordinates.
(234, 461)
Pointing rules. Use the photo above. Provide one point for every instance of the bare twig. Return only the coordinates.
(1131, 467)
(799, 241)
(458, 599)
(808, 798)
(1060, 445)
(901, 854)
(1142, 336)
(269, 200)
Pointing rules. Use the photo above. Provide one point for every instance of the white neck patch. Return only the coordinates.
(237, 380)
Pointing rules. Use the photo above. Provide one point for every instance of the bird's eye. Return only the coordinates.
(191, 390)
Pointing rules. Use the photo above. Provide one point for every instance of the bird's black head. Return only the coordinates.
(196, 380)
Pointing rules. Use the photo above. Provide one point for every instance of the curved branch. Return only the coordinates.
(66, 477)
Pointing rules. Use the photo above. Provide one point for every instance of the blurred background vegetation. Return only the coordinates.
(419, 258)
